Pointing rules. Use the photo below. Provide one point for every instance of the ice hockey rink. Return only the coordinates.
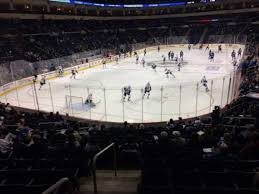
(182, 96)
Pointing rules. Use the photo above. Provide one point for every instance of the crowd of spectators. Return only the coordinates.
(22, 132)
(41, 40)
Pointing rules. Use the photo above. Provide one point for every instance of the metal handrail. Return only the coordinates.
(54, 188)
(95, 159)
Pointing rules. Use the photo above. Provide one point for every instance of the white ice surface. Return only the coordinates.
(178, 97)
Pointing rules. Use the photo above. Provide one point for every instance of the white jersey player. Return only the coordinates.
(60, 71)
(143, 62)
(234, 62)
(126, 91)
(73, 73)
(154, 66)
(239, 52)
(233, 55)
(169, 55)
(145, 52)
(176, 59)
(204, 83)
(137, 59)
(89, 99)
(117, 60)
(104, 63)
(147, 90)
(179, 65)
(169, 72)
(164, 59)
(181, 54)
(42, 82)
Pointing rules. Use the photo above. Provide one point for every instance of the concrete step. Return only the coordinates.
(125, 182)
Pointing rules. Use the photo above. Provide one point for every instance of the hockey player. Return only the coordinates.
(158, 49)
(176, 59)
(189, 47)
(42, 82)
(211, 55)
(137, 59)
(239, 52)
(104, 63)
(233, 55)
(172, 55)
(147, 90)
(234, 62)
(179, 65)
(145, 52)
(73, 73)
(89, 99)
(60, 71)
(169, 72)
(154, 66)
(219, 48)
(143, 62)
(126, 92)
(117, 60)
(204, 83)
(35, 77)
(181, 55)
(164, 59)
(169, 55)
(129, 92)
(207, 48)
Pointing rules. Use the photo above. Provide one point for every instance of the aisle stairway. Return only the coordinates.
(185, 37)
(203, 36)
(125, 183)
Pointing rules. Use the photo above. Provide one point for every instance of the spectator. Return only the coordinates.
(37, 146)
(177, 139)
(6, 141)
(91, 148)
(251, 149)
(24, 132)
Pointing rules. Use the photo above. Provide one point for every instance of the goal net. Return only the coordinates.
(74, 103)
